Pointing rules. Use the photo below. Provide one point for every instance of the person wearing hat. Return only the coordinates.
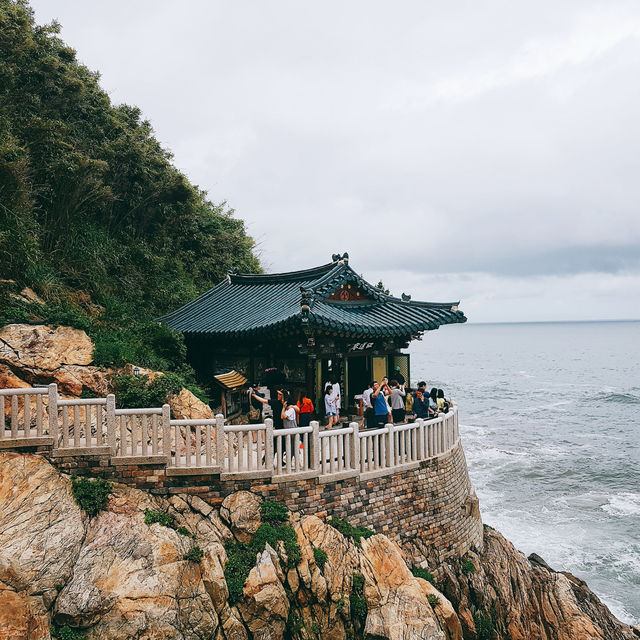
(398, 376)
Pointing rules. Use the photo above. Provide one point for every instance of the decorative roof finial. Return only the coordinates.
(406, 297)
(305, 304)
(335, 257)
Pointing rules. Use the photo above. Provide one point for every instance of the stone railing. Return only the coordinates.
(38, 417)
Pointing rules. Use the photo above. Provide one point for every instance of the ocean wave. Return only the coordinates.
(623, 504)
(617, 397)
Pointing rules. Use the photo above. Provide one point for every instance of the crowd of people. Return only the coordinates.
(390, 401)
(383, 402)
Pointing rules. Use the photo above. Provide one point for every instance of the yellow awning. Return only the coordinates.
(231, 381)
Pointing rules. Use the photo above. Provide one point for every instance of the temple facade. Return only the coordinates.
(304, 328)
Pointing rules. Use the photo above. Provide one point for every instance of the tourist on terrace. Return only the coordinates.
(397, 396)
(276, 406)
(433, 401)
(421, 405)
(422, 386)
(443, 403)
(289, 412)
(379, 401)
(305, 408)
(330, 405)
(368, 418)
(408, 404)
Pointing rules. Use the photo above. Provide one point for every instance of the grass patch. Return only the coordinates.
(183, 531)
(425, 574)
(91, 496)
(433, 599)
(484, 626)
(161, 517)
(357, 602)
(273, 512)
(320, 557)
(66, 633)
(467, 567)
(349, 531)
(194, 554)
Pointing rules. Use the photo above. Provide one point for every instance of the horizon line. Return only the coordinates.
(552, 321)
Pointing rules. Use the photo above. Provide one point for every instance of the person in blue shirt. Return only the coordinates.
(379, 402)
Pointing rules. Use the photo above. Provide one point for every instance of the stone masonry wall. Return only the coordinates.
(429, 509)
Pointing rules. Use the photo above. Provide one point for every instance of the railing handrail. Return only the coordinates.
(196, 445)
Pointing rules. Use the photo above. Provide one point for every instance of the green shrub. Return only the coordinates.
(484, 626)
(320, 557)
(467, 567)
(349, 531)
(183, 531)
(91, 495)
(294, 624)
(419, 572)
(194, 554)
(340, 605)
(274, 512)
(357, 602)
(162, 518)
(433, 599)
(66, 633)
(316, 628)
(242, 557)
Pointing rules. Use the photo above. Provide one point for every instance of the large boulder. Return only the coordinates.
(398, 609)
(131, 579)
(186, 406)
(41, 533)
(241, 510)
(265, 606)
(43, 354)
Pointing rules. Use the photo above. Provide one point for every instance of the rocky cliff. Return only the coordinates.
(115, 576)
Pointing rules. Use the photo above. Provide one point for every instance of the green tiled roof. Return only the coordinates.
(258, 305)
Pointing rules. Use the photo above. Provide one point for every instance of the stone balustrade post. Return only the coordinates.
(53, 413)
(166, 432)
(355, 445)
(315, 445)
(110, 410)
(220, 452)
(421, 436)
(268, 445)
(391, 450)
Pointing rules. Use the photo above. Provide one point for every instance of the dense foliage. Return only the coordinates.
(91, 495)
(93, 214)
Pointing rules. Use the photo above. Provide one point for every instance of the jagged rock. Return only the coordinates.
(131, 579)
(265, 606)
(41, 532)
(241, 510)
(445, 613)
(398, 607)
(28, 295)
(185, 406)
(526, 600)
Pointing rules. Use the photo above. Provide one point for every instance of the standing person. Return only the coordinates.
(329, 405)
(422, 386)
(379, 402)
(276, 406)
(337, 398)
(398, 376)
(305, 408)
(255, 409)
(368, 418)
(433, 401)
(408, 403)
(289, 412)
(420, 405)
(443, 404)
(398, 393)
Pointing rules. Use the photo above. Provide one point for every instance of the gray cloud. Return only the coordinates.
(486, 138)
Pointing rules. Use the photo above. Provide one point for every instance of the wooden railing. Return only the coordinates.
(88, 426)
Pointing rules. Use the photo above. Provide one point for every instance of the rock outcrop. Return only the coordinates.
(114, 576)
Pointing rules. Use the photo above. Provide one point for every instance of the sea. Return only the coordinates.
(550, 425)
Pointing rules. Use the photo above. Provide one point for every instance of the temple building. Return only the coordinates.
(308, 327)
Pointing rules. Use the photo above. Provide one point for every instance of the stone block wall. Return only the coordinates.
(429, 508)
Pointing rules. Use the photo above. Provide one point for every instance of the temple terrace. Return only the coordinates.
(309, 326)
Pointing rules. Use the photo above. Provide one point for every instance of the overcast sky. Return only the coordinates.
(483, 151)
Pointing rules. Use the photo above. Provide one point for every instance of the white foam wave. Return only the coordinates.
(623, 504)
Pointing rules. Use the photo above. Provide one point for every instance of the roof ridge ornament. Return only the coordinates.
(340, 259)
(406, 297)
(305, 304)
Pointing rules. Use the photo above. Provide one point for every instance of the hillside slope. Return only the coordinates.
(94, 217)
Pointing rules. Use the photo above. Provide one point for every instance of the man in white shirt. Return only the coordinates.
(367, 420)
(336, 395)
